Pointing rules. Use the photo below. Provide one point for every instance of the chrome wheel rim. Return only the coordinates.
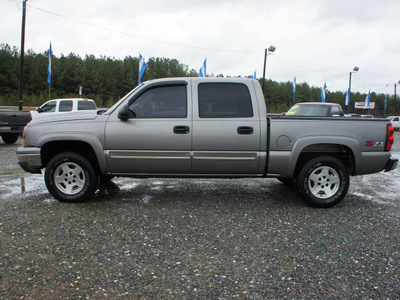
(69, 178)
(324, 182)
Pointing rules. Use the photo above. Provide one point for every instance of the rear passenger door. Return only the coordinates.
(226, 129)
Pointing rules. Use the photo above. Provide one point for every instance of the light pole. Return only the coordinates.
(394, 102)
(355, 70)
(269, 50)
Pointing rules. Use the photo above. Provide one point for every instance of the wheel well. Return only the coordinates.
(341, 152)
(51, 149)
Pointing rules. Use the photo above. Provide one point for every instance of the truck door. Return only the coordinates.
(156, 138)
(226, 129)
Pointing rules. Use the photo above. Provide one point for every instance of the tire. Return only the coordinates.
(70, 177)
(9, 138)
(323, 182)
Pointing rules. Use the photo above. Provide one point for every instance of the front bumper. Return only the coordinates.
(29, 159)
(391, 165)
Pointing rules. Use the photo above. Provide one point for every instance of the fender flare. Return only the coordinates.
(302, 143)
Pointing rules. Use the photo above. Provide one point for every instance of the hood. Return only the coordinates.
(64, 117)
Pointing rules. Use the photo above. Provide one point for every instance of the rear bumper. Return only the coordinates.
(391, 165)
(29, 159)
(12, 129)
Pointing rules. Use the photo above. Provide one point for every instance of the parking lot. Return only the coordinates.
(198, 238)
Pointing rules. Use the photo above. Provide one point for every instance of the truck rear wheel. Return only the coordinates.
(9, 138)
(70, 177)
(323, 181)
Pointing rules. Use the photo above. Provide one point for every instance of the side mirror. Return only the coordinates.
(123, 113)
(39, 110)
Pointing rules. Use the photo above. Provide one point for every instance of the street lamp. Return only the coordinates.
(269, 50)
(355, 70)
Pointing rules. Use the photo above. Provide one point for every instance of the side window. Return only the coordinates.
(49, 107)
(396, 119)
(224, 100)
(65, 105)
(86, 105)
(335, 111)
(161, 102)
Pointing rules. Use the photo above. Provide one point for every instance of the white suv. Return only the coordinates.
(395, 122)
(60, 106)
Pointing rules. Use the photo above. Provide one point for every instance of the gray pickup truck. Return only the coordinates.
(204, 127)
(12, 123)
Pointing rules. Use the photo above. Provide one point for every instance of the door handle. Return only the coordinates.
(245, 130)
(181, 129)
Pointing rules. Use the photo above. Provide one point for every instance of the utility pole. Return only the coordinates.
(394, 102)
(21, 64)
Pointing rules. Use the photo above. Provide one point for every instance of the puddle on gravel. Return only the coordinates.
(31, 184)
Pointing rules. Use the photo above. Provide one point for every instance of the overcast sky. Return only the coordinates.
(316, 40)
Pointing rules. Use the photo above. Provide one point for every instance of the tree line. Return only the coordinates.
(107, 79)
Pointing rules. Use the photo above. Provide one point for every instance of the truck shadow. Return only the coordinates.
(164, 191)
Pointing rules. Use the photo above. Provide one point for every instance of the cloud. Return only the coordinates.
(316, 41)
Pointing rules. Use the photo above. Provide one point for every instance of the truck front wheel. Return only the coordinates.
(323, 181)
(70, 177)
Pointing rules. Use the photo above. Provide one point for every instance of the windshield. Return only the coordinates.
(112, 108)
(305, 110)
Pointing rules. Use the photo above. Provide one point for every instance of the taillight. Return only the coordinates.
(389, 137)
(23, 136)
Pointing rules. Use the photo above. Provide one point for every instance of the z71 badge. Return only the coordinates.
(373, 144)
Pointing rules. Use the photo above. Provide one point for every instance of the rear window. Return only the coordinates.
(65, 106)
(86, 105)
(224, 100)
(309, 110)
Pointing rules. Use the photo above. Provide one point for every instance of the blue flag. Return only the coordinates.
(142, 67)
(367, 99)
(254, 76)
(323, 91)
(347, 98)
(203, 69)
(384, 106)
(49, 67)
(294, 89)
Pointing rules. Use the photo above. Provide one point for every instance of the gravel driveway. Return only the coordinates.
(197, 239)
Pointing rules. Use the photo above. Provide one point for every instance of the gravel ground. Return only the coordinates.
(196, 239)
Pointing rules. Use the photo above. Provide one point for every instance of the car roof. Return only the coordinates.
(316, 103)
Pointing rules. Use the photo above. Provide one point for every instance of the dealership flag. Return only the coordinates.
(367, 99)
(203, 69)
(49, 67)
(294, 89)
(142, 67)
(384, 107)
(347, 98)
(323, 91)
